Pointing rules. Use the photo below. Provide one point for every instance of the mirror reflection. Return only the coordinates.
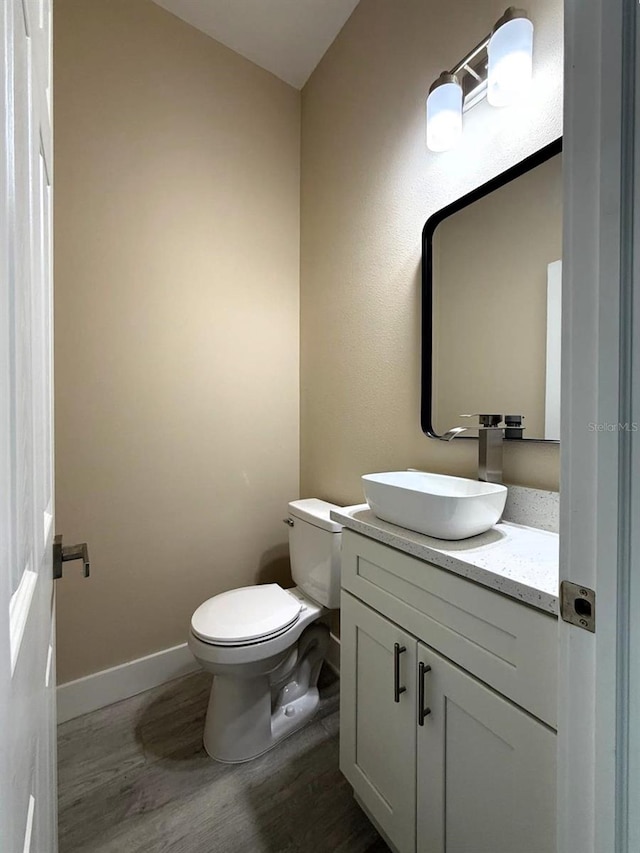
(496, 294)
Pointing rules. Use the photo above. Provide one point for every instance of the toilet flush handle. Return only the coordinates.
(288, 521)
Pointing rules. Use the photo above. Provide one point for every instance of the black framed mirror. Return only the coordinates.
(491, 296)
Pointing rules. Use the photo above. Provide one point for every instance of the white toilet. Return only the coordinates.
(264, 646)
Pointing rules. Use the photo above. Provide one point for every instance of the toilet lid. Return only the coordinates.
(245, 615)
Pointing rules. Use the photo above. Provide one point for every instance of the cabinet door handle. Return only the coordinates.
(397, 690)
(422, 711)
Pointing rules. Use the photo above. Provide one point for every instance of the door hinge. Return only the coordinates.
(578, 605)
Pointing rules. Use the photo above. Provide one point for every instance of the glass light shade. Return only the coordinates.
(444, 115)
(510, 61)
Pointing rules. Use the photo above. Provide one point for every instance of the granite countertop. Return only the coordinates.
(518, 561)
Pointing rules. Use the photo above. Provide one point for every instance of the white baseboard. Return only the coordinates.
(120, 682)
(128, 679)
(333, 655)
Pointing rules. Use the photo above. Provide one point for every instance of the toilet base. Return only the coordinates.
(247, 717)
(304, 709)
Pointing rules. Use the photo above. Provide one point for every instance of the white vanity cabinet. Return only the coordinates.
(479, 774)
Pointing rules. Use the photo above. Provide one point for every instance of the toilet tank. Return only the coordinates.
(314, 546)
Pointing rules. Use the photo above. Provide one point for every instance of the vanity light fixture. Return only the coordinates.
(498, 68)
(444, 112)
(510, 51)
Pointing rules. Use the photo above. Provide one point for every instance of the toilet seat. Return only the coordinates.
(246, 615)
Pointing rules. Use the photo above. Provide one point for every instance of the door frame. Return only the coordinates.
(5, 459)
(600, 390)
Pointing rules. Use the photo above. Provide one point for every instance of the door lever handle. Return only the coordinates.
(64, 553)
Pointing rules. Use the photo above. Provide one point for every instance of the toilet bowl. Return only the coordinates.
(264, 644)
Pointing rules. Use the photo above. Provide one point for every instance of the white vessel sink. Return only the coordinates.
(435, 504)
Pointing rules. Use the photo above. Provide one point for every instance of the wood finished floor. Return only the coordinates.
(134, 778)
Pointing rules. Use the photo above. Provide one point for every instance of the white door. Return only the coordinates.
(486, 775)
(599, 709)
(378, 718)
(27, 638)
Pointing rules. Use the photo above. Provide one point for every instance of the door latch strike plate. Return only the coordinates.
(578, 605)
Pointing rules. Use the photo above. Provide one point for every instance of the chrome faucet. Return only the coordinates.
(490, 437)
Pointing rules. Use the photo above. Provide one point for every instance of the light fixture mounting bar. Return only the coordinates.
(469, 58)
(472, 72)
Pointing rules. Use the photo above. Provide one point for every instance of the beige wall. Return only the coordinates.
(368, 186)
(177, 272)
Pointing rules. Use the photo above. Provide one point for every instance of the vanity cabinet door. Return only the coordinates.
(377, 719)
(486, 774)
